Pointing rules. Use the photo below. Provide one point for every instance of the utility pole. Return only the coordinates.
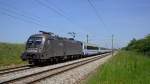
(87, 38)
(112, 45)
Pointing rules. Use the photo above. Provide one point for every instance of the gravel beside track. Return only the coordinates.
(74, 76)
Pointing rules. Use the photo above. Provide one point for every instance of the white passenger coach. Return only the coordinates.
(93, 49)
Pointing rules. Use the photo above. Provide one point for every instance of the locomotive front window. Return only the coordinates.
(38, 42)
(34, 42)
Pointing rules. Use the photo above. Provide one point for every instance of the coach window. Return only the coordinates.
(92, 48)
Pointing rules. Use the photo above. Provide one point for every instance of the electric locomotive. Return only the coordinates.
(47, 47)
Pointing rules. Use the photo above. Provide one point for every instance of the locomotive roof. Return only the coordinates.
(34, 35)
(55, 37)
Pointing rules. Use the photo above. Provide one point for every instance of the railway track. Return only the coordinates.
(48, 72)
(14, 69)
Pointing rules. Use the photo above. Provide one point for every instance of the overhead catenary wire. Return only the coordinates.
(57, 10)
(19, 14)
(52, 4)
(22, 19)
(8, 5)
(96, 12)
(52, 9)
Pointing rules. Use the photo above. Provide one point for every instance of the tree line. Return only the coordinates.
(140, 45)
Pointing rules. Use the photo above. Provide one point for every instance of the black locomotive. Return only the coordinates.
(47, 48)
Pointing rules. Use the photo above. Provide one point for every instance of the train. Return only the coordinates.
(45, 47)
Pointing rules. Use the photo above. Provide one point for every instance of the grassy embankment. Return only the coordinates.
(10, 54)
(124, 68)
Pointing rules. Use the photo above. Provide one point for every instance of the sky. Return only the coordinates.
(125, 19)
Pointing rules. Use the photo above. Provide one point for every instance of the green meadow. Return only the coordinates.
(124, 68)
(10, 54)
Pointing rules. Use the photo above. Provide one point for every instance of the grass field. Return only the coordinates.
(10, 54)
(124, 68)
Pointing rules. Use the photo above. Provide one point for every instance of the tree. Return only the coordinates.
(132, 42)
(141, 45)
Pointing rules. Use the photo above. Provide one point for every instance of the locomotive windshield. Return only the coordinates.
(34, 42)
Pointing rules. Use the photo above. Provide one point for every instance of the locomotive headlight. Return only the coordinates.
(32, 50)
(40, 49)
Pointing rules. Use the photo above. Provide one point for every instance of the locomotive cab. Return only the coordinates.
(34, 48)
